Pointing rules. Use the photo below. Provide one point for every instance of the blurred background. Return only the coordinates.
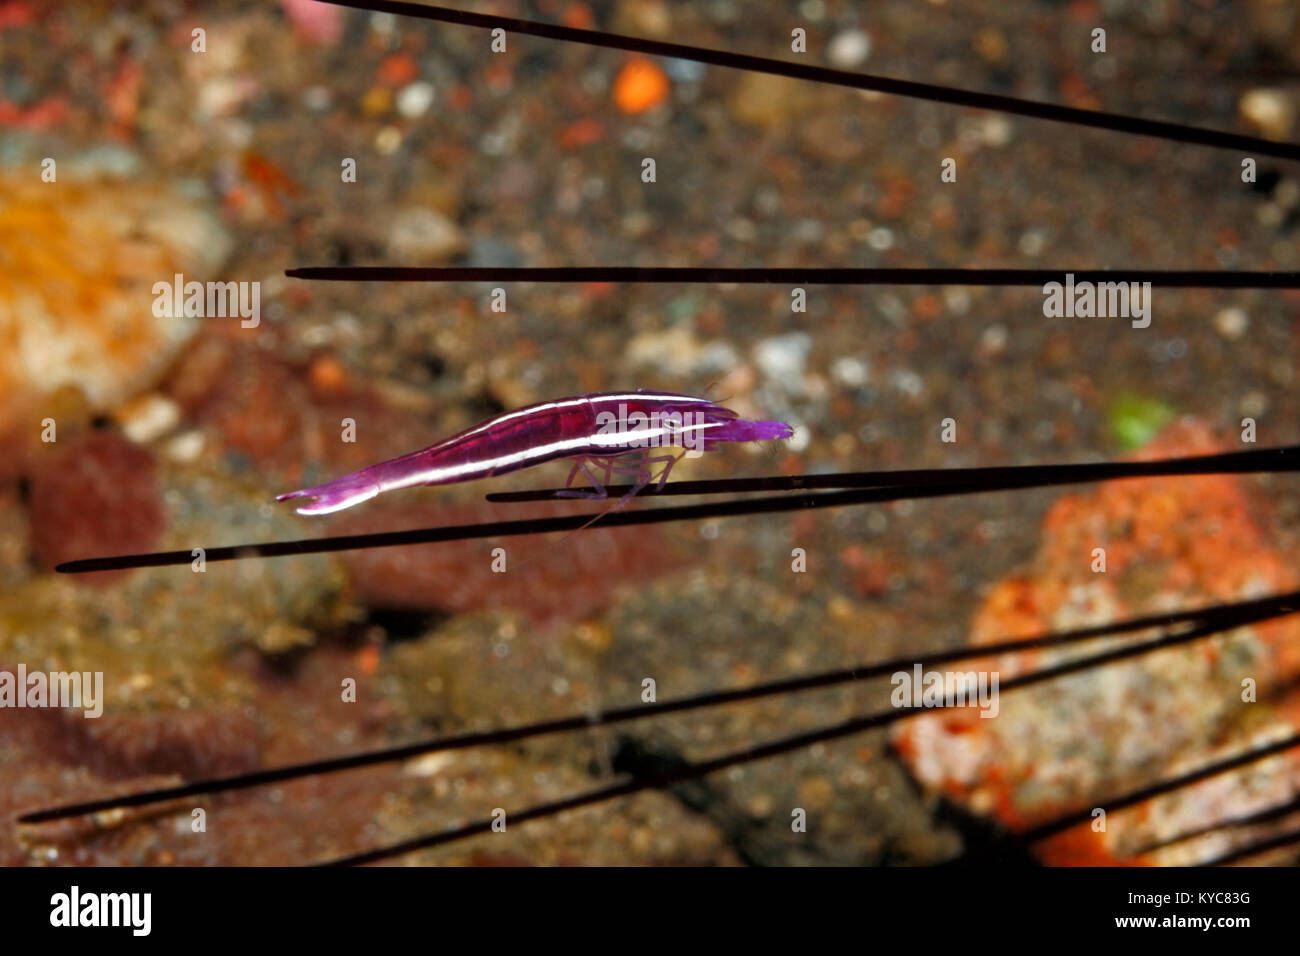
(226, 164)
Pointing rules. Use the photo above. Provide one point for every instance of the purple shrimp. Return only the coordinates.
(616, 432)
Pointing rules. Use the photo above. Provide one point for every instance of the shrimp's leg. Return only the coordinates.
(597, 490)
(641, 467)
(637, 464)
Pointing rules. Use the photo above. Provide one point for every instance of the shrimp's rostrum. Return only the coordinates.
(614, 432)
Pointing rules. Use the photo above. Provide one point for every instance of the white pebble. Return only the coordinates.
(1032, 242)
(1231, 322)
(849, 49)
(428, 765)
(907, 382)
(1271, 111)
(148, 418)
(880, 239)
(423, 234)
(994, 339)
(388, 140)
(996, 131)
(185, 447)
(850, 370)
(317, 98)
(413, 100)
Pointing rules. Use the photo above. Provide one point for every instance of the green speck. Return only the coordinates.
(1136, 419)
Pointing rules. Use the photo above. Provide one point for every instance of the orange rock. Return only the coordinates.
(582, 133)
(640, 85)
(1179, 542)
(328, 376)
(272, 180)
(397, 70)
(78, 261)
(579, 16)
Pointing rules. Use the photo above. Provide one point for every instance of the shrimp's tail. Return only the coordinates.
(336, 495)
